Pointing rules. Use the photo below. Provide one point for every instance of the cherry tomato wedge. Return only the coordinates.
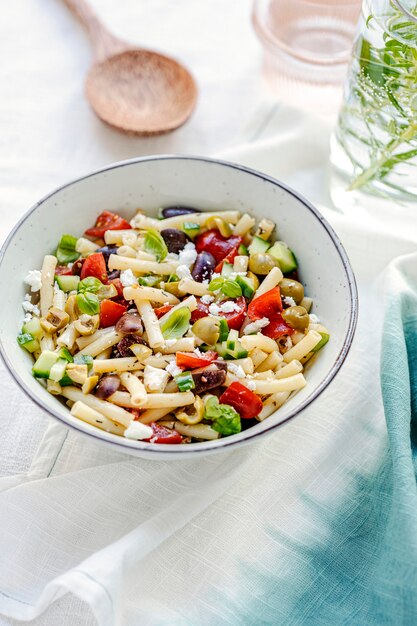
(228, 259)
(94, 265)
(63, 270)
(161, 434)
(189, 360)
(243, 400)
(107, 221)
(277, 328)
(234, 319)
(110, 312)
(212, 241)
(267, 305)
(161, 310)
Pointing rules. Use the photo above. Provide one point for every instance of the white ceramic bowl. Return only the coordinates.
(208, 184)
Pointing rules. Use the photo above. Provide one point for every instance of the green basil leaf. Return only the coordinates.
(66, 252)
(226, 420)
(88, 303)
(185, 381)
(231, 288)
(154, 244)
(216, 283)
(176, 324)
(149, 281)
(89, 284)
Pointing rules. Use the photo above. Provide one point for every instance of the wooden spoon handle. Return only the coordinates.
(104, 43)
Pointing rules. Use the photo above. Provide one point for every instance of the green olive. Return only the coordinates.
(207, 329)
(261, 263)
(292, 289)
(296, 317)
(173, 288)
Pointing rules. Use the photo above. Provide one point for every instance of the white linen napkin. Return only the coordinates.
(167, 543)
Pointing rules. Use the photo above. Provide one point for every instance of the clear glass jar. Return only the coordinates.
(374, 147)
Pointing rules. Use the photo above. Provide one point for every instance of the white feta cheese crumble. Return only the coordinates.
(290, 301)
(198, 353)
(214, 309)
(155, 379)
(206, 299)
(33, 279)
(314, 319)
(229, 306)
(173, 369)
(127, 278)
(188, 254)
(69, 265)
(250, 384)
(256, 326)
(28, 307)
(237, 370)
(27, 318)
(183, 271)
(137, 430)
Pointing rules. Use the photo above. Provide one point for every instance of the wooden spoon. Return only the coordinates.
(137, 91)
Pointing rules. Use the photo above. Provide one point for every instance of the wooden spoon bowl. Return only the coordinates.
(137, 91)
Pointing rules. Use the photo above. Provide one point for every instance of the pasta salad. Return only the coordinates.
(181, 329)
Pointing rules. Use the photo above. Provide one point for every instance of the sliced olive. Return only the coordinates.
(173, 288)
(261, 263)
(292, 289)
(296, 317)
(207, 378)
(123, 347)
(54, 320)
(175, 239)
(207, 329)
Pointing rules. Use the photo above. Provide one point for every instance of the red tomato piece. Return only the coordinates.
(110, 312)
(107, 221)
(189, 360)
(243, 400)
(118, 284)
(95, 265)
(234, 319)
(161, 310)
(161, 434)
(212, 241)
(277, 328)
(63, 270)
(228, 259)
(268, 305)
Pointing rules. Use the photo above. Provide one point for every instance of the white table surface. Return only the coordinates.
(49, 135)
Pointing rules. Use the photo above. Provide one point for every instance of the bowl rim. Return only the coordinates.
(142, 448)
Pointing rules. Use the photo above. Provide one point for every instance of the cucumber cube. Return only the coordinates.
(285, 257)
(258, 245)
(68, 283)
(43, 365)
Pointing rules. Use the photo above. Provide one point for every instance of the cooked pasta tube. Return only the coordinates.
(138, 266)
(151, 323)
(291, 369)
(85, 246)
(103, 342)
(153, 415)
(188, 285)
(245, 224)
(135, 387)
(232, 217)
(246, 364)
(240, 264)
(145, 256)
(47, 342)
(274, 277)
(142, 221)
(114, 413)
(271, 404)
(126, 251)
(303, 347)
(188, 303)
(130, 238)
(186, 344)
(263, 375)
(68, 337)
(47, 279)
(116, 236)
(271, 362)
(59, 299)
(199, 431)
(95, 418)
(136, 292)
(106, 354)
(307, 303)
(258, 356)
(115, 365)
(154, 400)
(84, 341)
(265, 387)
(249, 342)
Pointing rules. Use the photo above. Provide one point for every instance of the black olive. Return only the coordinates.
(129, 323)
(175, 239)
(123, 347)
(175, 211)
(203, 267)
(77, 267)
(114, 274)
(207, 378)
(106, 251)
(107, 386)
